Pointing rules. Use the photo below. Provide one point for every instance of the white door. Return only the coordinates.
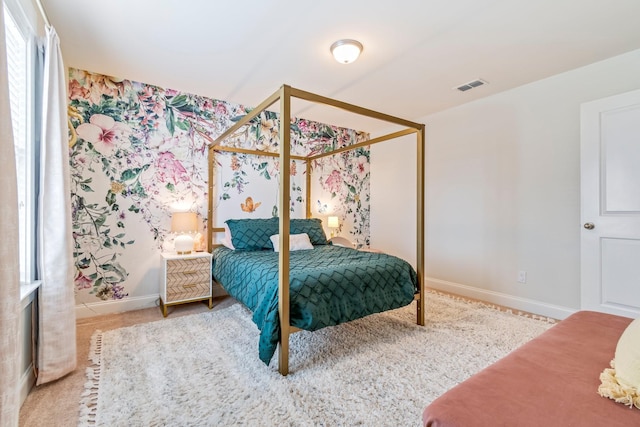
(610, 187)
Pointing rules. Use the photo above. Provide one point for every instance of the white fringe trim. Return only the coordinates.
(89, 400)
(492, 306)
(611, 388)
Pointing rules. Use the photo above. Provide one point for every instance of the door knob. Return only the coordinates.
(589, 225)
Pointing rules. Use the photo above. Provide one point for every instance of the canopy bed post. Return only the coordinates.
(308, 166)
(420, 135)
(210, 158)
(284, 214)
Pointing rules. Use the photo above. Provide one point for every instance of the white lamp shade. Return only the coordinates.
(332, 222)
(346, 51)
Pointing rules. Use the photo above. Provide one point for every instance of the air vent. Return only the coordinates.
(465, 87)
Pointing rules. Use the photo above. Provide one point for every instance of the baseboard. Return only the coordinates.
(27, 381)
(515, 302)
(110, 307)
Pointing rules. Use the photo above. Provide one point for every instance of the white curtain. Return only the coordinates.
(9, 267)
(57, 320)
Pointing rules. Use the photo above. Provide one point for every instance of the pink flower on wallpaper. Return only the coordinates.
(274, 168)
(361, 166)
(235, 164)
(221, 109)
(303, 125)
(343, 136)
(77, 91)
(152, 103)
(333, 182)
(146, 93)
(103, 132)
(169, 169)
(82, 281)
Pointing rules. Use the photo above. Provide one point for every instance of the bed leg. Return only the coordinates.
(283, 354)
(420, 312)
(421, 304)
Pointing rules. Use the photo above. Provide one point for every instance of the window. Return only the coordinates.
(20, 77)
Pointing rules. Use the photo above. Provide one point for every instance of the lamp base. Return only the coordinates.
(183, 244)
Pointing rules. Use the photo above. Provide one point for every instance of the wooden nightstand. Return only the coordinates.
(185, 278)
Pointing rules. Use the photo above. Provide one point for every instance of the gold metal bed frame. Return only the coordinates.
(284, 95)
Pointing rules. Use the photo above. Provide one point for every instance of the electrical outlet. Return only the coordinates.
(522, 276)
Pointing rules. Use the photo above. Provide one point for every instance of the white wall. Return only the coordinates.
(502, 190)
(393, 197)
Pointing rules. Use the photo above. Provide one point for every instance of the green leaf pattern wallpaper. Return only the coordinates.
(138, 152)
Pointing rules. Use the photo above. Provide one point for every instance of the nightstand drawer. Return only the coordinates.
(188, 265)
(188, 290)
(179, 279)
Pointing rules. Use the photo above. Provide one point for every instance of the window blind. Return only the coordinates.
(17, 48)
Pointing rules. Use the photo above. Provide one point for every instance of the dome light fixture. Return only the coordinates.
(346, 51)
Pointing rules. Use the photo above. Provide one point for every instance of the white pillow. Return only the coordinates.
(342, 241)
(628, 356)
(226, 240)
(622, 382)
(297, 242)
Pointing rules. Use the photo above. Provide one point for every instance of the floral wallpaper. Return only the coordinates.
(138, 152)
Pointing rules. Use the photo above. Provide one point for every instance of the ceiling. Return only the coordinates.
(415, 51)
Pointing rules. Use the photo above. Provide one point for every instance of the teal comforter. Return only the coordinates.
(328, 285)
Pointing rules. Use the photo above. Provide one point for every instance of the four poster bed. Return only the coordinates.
(287, 290)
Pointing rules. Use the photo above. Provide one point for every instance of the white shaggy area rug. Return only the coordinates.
(203, 370)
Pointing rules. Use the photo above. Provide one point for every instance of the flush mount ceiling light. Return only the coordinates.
(346, 50)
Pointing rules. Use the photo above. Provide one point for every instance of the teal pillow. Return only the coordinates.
(252, 234)
(312, 227)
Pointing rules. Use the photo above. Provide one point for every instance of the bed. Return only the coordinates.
(282, 319)
(551, 381)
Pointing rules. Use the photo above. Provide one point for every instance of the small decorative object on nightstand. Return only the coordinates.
(186, 278)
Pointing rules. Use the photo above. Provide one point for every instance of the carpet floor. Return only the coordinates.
(378, 371)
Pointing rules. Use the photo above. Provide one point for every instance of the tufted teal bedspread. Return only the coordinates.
(329, 285)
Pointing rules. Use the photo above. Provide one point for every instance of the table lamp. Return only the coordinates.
(333, 223)
(184, 224)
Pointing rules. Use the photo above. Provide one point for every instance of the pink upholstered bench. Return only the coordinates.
(550, 381)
